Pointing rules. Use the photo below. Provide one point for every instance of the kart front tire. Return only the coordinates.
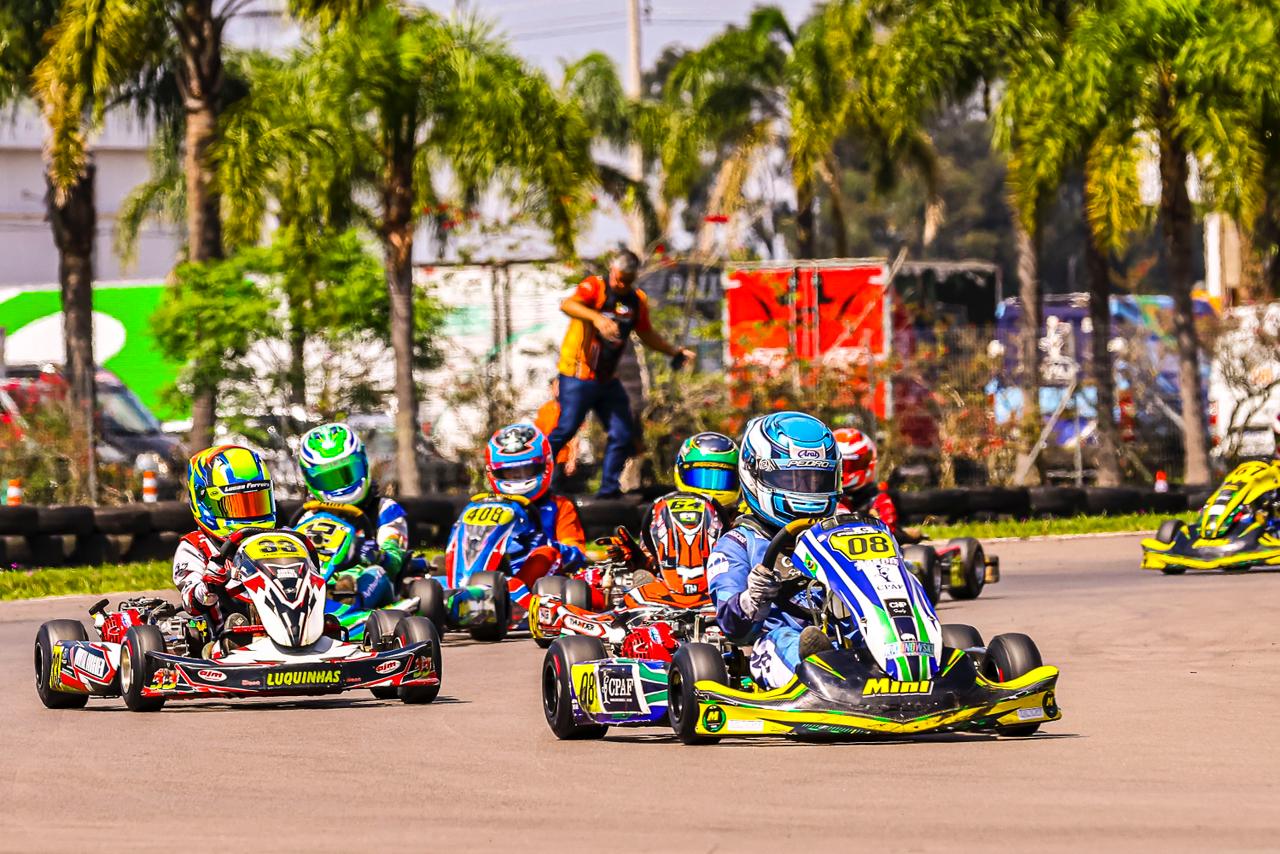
(577, 593)
(557, 686)
(49, 634)
(973, 560)
(692, 663)
(962, 637)
(928, 570)
(431, 601)
(547, 586)
(1168, 530)
(1008, 657)
(496, 582)
(136, 670)
(379, 635)
(412, 630)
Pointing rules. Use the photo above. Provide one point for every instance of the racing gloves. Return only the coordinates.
(763, 584)
(370, 554)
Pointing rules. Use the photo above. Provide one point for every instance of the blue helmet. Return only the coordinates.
(789, 467)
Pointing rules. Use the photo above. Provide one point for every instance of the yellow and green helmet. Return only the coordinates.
(334, 464)
(708, 465)
(230, 489)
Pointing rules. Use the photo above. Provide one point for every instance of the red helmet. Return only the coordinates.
(682, 529)
(652, 642)
(857, 458)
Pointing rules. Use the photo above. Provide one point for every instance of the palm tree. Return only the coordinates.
(1174, 77)
(71, 210)
(412, 97)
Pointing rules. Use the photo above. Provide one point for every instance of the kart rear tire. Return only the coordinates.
(1008, 657)
(974, 560)
(547, 585)
(929, 570)
(49, 634)
(136, 671)
(577, 593)
(431, 601)
(497, 584)
(962, 637)
(413, 630)
(692, 663)
(557, 690)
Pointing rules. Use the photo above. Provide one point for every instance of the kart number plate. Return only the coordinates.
(272, 545)
(327, 535)
(488, 515)
(863, 546)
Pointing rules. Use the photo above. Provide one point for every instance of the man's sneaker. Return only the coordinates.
(813, 641)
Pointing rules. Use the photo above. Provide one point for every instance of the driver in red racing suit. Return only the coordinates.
(859, 492)
(229, 489)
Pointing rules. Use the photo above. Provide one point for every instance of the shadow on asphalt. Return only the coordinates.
(783, 741)
(297, 704)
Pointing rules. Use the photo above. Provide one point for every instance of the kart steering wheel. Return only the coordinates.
(784, 539)
(347, 511)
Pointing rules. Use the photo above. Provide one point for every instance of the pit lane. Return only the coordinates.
(1168, 741)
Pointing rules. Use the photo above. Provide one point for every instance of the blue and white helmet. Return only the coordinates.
(789, 467)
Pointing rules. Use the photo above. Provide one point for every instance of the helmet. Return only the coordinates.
(229, 489)
(708, 465)
(655, 641)
(789, 467)
(518, 461)
(857, 458)
(334, 464)
(682, 529)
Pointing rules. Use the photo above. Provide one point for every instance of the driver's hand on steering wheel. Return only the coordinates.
(370, 554)
(763, 584)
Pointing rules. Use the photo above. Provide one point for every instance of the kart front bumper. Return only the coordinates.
(175, 677)
(1191, 552)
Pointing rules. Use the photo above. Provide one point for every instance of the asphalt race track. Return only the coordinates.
(1170, 740)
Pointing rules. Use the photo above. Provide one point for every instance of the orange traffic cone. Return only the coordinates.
(15, 491)
(1162, 482)
(150, 493)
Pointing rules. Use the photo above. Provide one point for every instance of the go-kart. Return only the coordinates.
(1238, 527)
(894, 670)
(336, 531)
(962, 568)
(276, 641)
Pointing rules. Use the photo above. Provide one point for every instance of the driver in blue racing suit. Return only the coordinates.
(789, 468)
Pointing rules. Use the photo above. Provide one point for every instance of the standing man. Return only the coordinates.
(603, 316)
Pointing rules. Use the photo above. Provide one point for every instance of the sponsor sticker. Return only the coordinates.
(713, 718)
(617, 685)
(908, 647)
(386, 667)
(717, 565)
(898, 607)
(90, 661)
(881, 687)
(745, 726)
(304, 678)
(580, 626)
(211, 675)
(1030, 714)
(808, 454)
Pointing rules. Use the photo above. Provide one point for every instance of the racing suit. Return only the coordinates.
(775, 636)
(560, 552)
(200, 578)
(382, 556)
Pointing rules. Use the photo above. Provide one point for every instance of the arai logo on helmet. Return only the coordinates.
(211, 675)
(808, 454)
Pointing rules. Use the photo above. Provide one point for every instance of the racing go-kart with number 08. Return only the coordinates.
(279, 642)
(894, 670)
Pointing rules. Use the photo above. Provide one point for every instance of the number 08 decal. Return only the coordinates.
(863, 546)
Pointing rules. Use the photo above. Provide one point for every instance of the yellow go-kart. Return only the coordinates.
(1237, 529)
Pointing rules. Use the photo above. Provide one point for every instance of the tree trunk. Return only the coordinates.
(200, 81)
(1175, 223)
(397, 245)
(806, 239)
(1101, 370)
(1028, 249)
(73, 216)
(297, 377)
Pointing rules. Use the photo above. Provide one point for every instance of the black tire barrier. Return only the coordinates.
(50, 550)
(171, 517)
(999, 501)
(157, 545)
(64, 519)
(100, 548)
(1057, 500)
(600, 516)
(1198, 496)
(1112, 500)
(128, 519)
(18, 520)
(1164, 503)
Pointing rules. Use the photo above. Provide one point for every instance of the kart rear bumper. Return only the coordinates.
(176, 678)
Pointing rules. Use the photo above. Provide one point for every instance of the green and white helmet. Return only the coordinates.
(334, 464)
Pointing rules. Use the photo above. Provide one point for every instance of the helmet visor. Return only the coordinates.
(244, 505)
(341, 475)
(708, 478)
(520, 471)
(811, 481)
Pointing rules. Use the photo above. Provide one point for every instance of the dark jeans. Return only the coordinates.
(608, 400)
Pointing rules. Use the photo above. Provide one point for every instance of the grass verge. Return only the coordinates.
(1138, 522)
(63, 581)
